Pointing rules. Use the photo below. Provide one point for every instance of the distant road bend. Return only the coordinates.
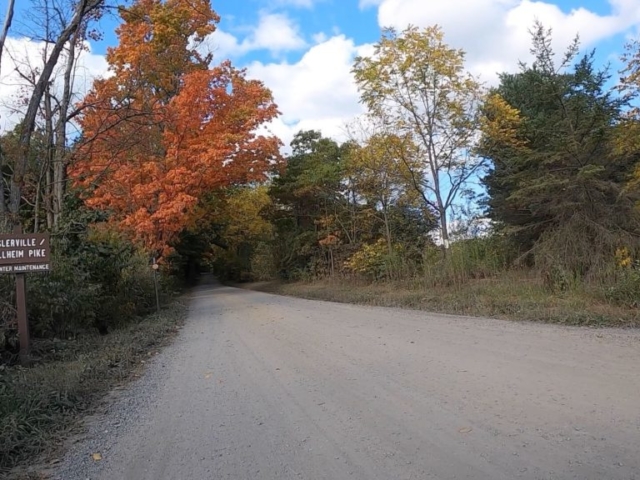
(265, 387)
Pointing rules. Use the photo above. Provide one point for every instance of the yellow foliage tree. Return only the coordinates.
(381, 173)
(417, 87)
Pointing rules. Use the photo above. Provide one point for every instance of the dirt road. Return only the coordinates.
(266, 387)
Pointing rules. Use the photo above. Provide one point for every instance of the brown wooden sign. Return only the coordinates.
(21, 253)
(24, 252)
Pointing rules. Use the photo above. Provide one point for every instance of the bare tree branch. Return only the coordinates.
(82, 10)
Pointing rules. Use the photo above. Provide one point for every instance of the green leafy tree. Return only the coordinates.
(556, 182)
(309, 203)
(627, 141)
(381, 179)
(417, 87)
(245, 234)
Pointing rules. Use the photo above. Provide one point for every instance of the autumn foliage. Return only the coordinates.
(165, 128)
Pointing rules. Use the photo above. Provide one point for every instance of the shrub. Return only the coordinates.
(468, 259)
(584, 250)
(98, 280)
(102, 283)
(626, 289)
(374, 261)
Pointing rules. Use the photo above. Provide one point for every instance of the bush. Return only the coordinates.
(374, 261)
(474, 258)
(98, 280)
(557, 279)
(62, 300)
(583, 250)
(8, 327)
(263, 266)
(39, 405)
(626, 290)
(102, 283)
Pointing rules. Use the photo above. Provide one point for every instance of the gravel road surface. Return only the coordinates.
(265, 387)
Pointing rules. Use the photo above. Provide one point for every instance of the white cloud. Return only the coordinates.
(24, 56)
(320, 37)
(495, 33)
(317, 92)
(275, 32)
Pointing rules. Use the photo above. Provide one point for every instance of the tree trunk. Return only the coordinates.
(36, 209)
(387, 229)
(83, 7)
(48, 196)
(3, 205)
(47, 167)
(5, 29)
(3, 38)
(333, 271)
(444, 231)
(60, 159)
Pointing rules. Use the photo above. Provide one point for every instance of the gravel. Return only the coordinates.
(122, 411)
(267, 387)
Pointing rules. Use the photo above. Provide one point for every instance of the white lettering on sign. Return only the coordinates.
(31, 268)
(24, 249)
(18, 242)
(36, 267)
(12, 254)
(21, 249)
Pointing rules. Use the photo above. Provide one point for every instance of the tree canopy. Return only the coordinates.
(165, 128)
(558, 173)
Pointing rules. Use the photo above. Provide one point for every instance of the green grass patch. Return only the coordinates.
(39, 404)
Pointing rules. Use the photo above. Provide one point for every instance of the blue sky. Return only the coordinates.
(331, 32)
(303, 49)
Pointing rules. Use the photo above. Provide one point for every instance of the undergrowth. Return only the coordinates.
(511, 297)
(39, 404)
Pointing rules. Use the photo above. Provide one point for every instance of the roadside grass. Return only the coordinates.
(512, 296)
(40, 405)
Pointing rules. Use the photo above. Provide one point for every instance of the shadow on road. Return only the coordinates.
(208, 283)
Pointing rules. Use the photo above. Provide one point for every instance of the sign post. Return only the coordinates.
(23, 322)
(155, 267)
(21, 253)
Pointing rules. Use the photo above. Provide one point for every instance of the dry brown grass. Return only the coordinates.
(39, 405)
(513, 296)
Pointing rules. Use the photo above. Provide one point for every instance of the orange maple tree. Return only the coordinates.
(164, 127)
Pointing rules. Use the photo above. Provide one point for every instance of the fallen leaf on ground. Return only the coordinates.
(96, 457)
